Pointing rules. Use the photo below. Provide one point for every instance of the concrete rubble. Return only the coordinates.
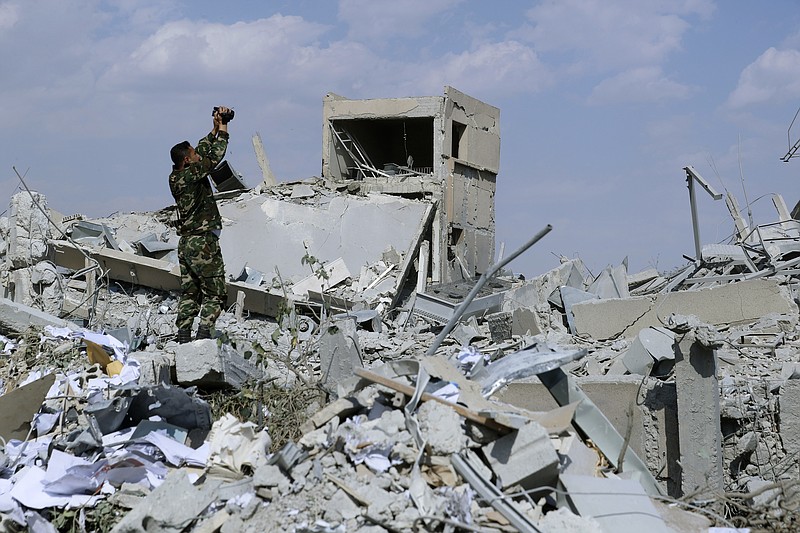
(562, 402)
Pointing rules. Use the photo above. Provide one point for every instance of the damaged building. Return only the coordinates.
(444, 149)
(377, 369)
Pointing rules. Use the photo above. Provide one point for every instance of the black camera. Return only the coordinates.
(224, 117)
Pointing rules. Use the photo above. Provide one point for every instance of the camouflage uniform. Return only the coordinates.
(199, 224)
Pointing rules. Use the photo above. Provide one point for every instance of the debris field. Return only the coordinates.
(380, 368)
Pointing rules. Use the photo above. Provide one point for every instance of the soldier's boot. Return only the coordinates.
(203, 332)
(184, 335)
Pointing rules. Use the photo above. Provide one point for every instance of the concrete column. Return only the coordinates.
(699, 429)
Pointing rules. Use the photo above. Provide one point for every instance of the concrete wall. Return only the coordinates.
(480, 147)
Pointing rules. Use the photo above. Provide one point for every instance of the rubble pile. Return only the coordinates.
(376, 371)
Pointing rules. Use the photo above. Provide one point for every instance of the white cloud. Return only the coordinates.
(369, 20)
(602, 35)
(185, 47)
(644, 84)
(774, 76)
(9, 15)
(492, 68)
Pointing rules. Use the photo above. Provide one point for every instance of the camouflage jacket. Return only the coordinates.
(191, 188)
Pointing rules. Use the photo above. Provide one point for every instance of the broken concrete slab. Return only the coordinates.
(155, 367)
(121, 266)
(651, 345)
(619, 505)
(735, 302)
(17, 319)
(648, 414)
(18, 407)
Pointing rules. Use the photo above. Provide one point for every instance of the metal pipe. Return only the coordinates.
(479, 285)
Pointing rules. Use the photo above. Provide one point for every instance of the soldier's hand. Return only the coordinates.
(219, 125)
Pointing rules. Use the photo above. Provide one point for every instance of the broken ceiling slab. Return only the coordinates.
(735, 302)
(355, 229)
(121, 266)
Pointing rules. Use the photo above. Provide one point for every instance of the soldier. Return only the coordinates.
(199, 226)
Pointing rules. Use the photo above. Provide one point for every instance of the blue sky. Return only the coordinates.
(603, 102)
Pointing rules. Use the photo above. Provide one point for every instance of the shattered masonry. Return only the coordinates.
(663, 401)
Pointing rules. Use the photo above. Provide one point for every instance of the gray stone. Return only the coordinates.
(207, 363)
(747, 443)
(155, 367)
(339, 352)
(175, 503)
(525, 457)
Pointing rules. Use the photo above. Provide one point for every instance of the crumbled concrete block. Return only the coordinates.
(342, 507)
(209, 364)
(763, 498)
(525, 457)
(441, 427)
(341, 407)
(565, 521)
(649, 346)
(270, 476)
(29, 230)
(747, 443)
(500, 326)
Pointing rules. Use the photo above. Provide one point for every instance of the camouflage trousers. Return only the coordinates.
(202, 280)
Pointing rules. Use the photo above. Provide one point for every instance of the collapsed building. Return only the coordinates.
(454, 395)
